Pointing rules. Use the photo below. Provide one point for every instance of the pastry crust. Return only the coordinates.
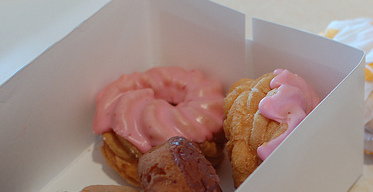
(245, 128)
(123, 157)
(108, 188)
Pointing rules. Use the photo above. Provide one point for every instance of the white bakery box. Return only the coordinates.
(46, 109)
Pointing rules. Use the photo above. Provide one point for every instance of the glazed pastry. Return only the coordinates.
(122, 156)
(142, 110)
(177, 165)
(108, 188)
(358, 33)
(259, 114)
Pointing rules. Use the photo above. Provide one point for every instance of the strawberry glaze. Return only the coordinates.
(148, 108)
(290, 105)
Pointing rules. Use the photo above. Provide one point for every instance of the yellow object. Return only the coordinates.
(330, 33)
(368, 152)
(369, 72)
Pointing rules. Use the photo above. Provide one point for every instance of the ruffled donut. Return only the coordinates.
(142, 110)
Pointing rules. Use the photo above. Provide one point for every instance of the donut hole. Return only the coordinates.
(174, 93)
(173, 104)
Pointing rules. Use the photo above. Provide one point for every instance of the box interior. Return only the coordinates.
(47, 108)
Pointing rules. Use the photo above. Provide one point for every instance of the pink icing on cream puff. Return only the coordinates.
(291, 104)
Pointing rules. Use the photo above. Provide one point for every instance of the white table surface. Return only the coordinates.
(27, 28)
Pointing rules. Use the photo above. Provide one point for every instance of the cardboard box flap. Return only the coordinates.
(305, 53)
(198, 35)
(329, 139)
(47, 107)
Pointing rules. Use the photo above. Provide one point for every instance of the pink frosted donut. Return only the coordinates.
(148, 108)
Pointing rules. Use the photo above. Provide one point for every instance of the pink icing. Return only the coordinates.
(148, 108)
(291, 104)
